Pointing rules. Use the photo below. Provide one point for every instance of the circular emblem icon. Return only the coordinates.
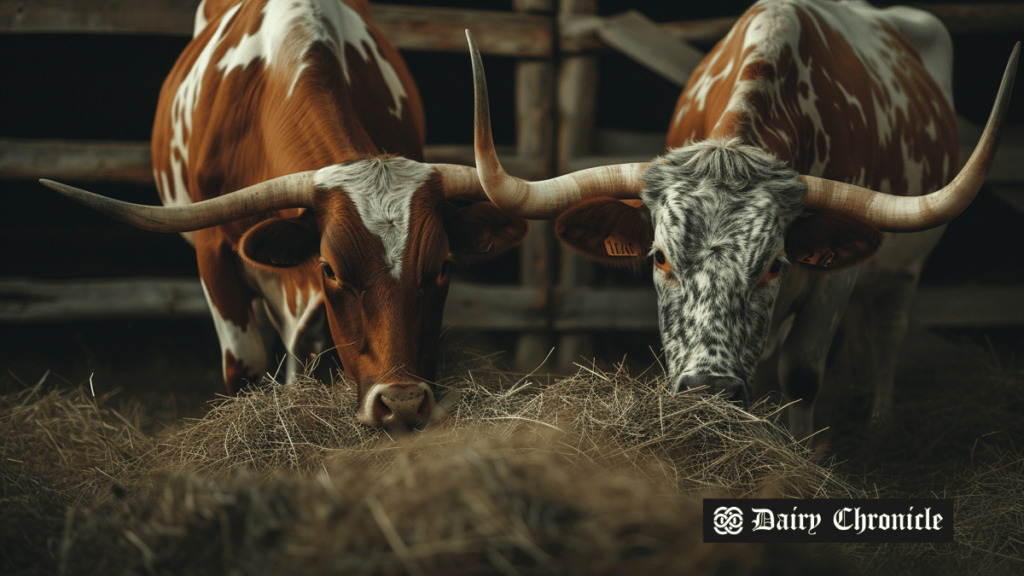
(728, 521)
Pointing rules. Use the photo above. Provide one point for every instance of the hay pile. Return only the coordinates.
(694, 443)
(595, 473)
(458, 506)
(591, 474)
(59, 449)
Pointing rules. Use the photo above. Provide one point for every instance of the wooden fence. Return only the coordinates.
(558, 45)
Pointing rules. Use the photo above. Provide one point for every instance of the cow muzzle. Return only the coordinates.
(392, 405)
(730, 387)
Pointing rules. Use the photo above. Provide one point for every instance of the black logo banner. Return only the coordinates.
(819, 520)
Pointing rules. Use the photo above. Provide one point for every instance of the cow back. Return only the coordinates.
(836, 90)
(270, 87)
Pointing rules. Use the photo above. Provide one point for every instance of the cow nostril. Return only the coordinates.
(382, 413)
(730, 387)
(405, 405)
(391, 405)
(426, 407)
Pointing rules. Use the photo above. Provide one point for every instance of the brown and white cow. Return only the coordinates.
(763, 218)
(287, 148)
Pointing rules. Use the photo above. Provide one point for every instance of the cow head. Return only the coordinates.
(378, 237)
(722, 222)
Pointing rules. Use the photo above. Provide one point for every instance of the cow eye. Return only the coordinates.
(442, 278)
(778, 266)
(446, 270)
(662, 262)
(328, 271)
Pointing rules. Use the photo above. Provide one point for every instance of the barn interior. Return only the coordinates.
(74, 87)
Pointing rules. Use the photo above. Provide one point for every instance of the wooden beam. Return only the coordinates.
(706, 31)
(535, 138)
(24, 300)
(1012, 196)
(129, 162)
(577, 114)
(638, 37)
(79, 160)
(469, 306)
(167, 17)
(408, 27)
(978, 18)
(933, 306)
(473, 306)
(444, 30)
(581, 309)
(579, 33)
(968, 306)
(496, 307)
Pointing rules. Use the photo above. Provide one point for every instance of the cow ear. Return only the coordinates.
(480, 231)
(607, 230)
(831, 240)
(279, 243)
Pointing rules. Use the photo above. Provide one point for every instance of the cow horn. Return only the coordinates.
(460, 182)
(548, 198)
(291, 191)
(914, 213)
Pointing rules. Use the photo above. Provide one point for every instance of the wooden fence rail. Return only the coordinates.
(407, 27)
(581, 33)
(430, 28)
(469, 305)
(131, 163)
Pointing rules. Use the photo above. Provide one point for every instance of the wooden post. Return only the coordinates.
(577, 107)
(535, 142)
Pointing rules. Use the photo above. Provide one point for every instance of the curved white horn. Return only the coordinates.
(914, 213)
(546, 199)
(291, 191)
(460, 182)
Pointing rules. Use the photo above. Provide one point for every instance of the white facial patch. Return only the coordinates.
(291, 27)
(382, 190)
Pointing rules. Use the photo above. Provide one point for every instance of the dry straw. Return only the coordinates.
(694, 443)
(595, 473)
